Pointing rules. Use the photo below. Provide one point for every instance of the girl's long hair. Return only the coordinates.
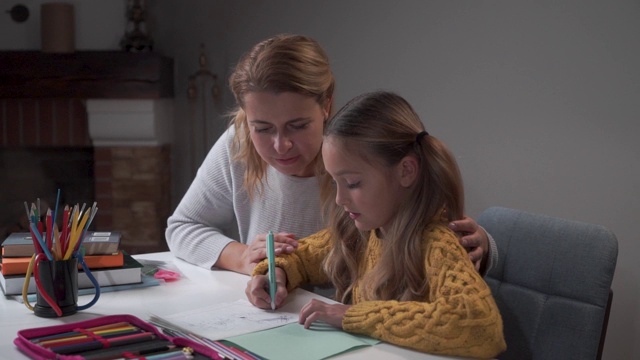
(382, 128)
(283, 63)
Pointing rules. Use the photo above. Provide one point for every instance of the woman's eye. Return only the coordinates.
(261, 130)
(300, 126)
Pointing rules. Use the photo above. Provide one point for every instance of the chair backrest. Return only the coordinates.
(552, 283)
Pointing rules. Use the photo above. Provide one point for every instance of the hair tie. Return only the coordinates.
(421, 135)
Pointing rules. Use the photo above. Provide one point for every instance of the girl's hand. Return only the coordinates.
(285, 243)
(257, 290)
(317, 310)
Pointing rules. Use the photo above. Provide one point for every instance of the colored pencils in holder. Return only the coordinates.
(64, 243)
(80, 221)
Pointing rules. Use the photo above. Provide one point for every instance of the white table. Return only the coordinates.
(199, 287)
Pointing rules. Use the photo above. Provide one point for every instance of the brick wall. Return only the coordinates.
(43, 123)
(134, 182)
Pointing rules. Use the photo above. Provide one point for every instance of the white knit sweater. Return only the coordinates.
(216, 209)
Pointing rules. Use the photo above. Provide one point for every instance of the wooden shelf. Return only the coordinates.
(85, 74)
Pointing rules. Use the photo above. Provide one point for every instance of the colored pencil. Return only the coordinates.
(142, 348)
(39, 240)
(84, 331)
(104, 343)
(174, 354)
(91, 335)
(64, 236)
(48, 232)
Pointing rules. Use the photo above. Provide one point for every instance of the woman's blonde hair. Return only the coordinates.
(382, 128)
(283, 63)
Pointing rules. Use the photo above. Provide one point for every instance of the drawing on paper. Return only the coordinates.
(225, 320)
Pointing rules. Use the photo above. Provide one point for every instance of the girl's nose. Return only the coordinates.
(340, 198)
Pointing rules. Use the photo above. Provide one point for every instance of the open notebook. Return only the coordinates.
(269, 334)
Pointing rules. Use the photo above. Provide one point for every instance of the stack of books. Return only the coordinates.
(110, 265)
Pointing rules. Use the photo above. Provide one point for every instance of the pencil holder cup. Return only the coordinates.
(59, 280)
(57, 286)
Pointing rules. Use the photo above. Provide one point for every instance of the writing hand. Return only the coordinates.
(257, 290)
(317, 310)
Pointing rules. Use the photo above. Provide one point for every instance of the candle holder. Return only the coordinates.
(136, 38)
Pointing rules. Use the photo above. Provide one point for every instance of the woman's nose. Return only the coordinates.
(282, 144)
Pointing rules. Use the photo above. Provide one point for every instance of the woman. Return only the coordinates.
(261, 173)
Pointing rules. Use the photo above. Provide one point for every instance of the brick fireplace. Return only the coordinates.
(99, 122)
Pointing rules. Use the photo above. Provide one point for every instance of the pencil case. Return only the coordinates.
(24, 338)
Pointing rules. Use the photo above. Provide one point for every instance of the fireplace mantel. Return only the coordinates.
(85, 74)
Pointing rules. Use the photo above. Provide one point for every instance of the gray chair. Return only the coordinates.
(552, 283)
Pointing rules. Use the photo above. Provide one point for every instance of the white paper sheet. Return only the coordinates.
(224, 320)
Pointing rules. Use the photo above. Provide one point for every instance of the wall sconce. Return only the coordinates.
(203, 71)
(19, 13)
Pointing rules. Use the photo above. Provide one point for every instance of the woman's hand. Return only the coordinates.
(473, 238)
(317, 310)
(257, 290)
(285, 243)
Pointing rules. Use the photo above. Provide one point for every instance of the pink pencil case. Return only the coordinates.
(35, 351)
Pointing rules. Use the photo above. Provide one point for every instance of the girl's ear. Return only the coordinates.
(408, 169)
(327, 109)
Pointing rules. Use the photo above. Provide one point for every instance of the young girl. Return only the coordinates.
(260, 175)
(399, 272)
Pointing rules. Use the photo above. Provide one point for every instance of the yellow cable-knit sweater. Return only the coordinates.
(459, 316)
